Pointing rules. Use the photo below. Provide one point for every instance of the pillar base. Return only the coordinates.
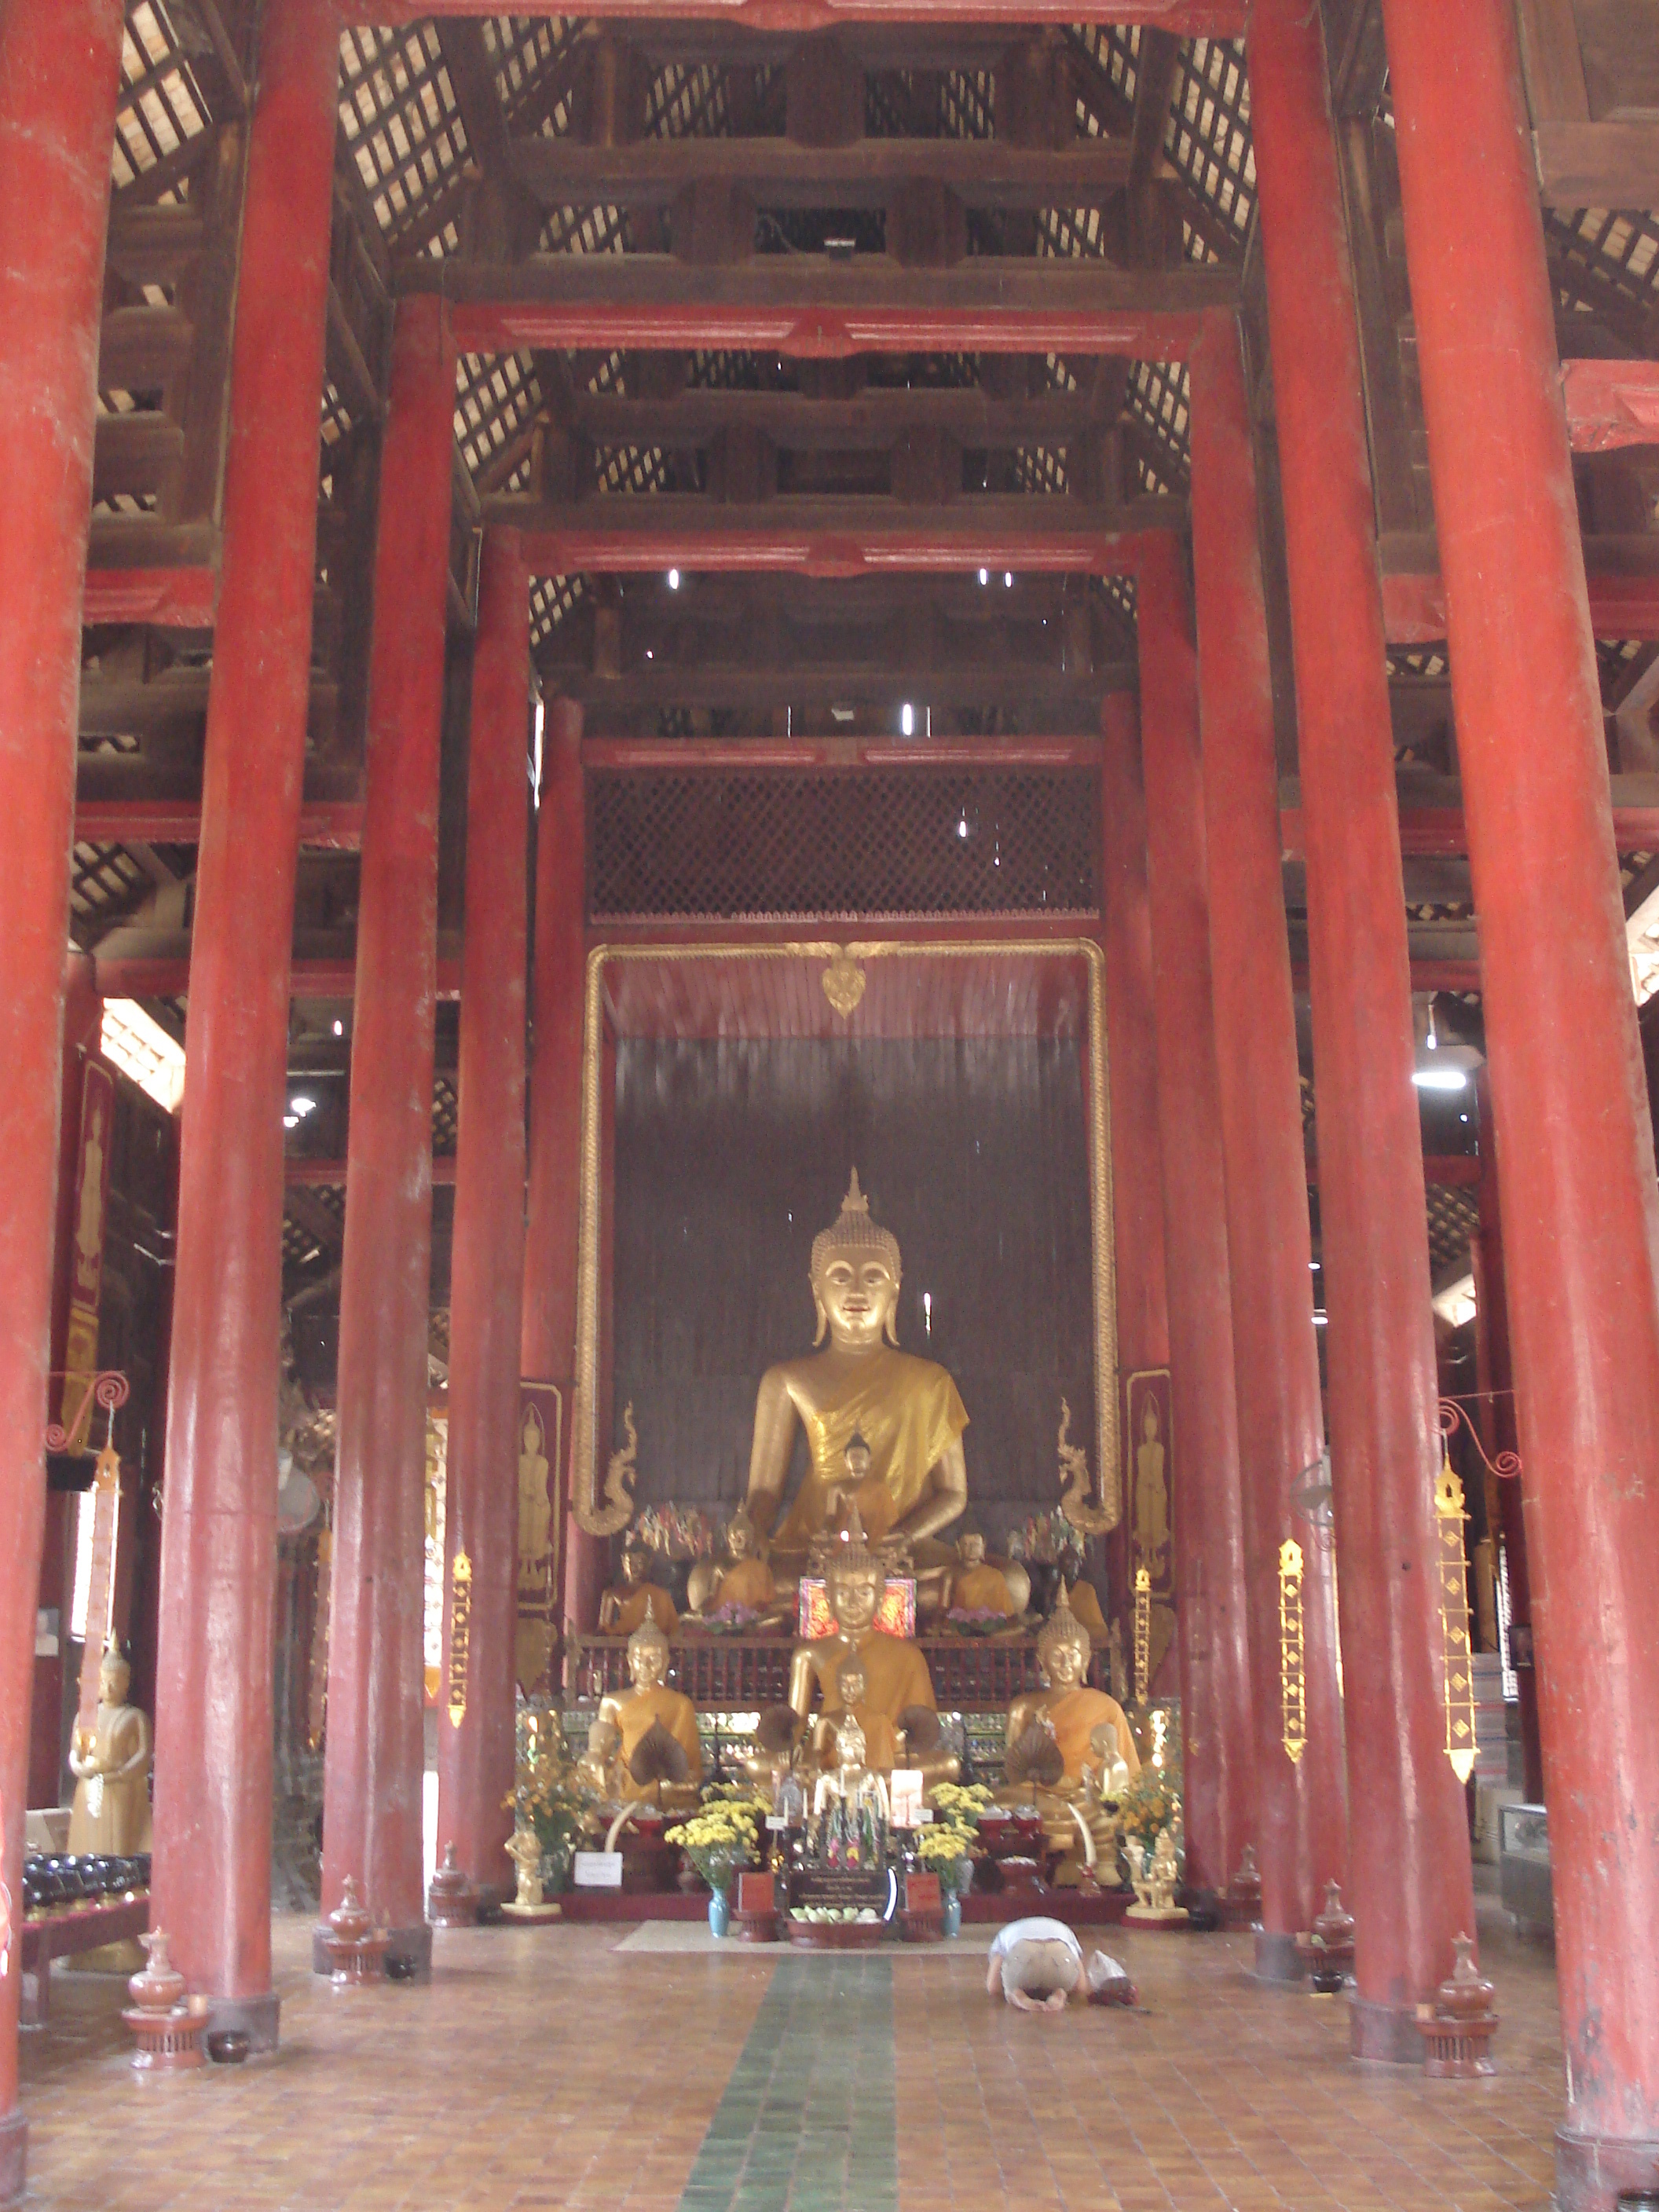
(1388, 2034)
(1277, 1959)
(1590, 2171)
(14, 2157)
(257, 2017)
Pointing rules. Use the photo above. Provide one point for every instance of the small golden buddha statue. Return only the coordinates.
(622, 1609)
(977, 1587)
(746, 1580)
(110, 1762)
(1105, 1770)
(651, 1705)
(909, 1476)
(895, 1674)
(883, 1742)
(849, 1779)
(1074, 1710)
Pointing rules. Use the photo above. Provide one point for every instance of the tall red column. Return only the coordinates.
(1408, 1837)
(1143, 1317)
(475, 1746)
(375, 1758)
(1303, 1821)
(1575, 1155)
(1209, 1537)
(213, 1699)
(556, 1106)
(59, 68)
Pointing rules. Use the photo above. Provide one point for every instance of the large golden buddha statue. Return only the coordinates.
(910, 1480)
(897, 1686)
(1068, 1706)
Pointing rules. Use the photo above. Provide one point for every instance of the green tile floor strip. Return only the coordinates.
(808, 2122)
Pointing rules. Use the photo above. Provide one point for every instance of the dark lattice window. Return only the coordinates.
(1454, 1218)
(827, 843)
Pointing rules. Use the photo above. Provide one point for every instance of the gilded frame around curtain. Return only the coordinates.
(595, 1511)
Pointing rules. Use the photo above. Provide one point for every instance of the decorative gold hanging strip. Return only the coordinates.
(1292, 1685)
(460, 1634)
(1448, 1515)
(1143, 1632)
(317, 1686)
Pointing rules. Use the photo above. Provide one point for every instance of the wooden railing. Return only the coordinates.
(720, 1673)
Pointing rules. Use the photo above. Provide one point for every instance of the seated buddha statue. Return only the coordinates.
(909, 1479)
(651, 1705)
(977, 1587)
(744, 1578)
(894, 1672)
(110, 1762)
(882, 1740)
(622, 1609)
(1073, 1710)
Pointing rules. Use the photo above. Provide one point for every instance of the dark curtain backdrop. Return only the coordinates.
(730, 1157)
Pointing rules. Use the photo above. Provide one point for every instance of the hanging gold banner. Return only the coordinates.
(1143, 1633)
(1449, 1516)
(460, 1630)
(1292, 1683)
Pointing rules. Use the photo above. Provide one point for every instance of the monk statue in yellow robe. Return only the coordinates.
(1068, 1706)
(110, 1762)
(978, 1586)
(622, 1610)
(898, 1688)
(744, 1579)
(651, 1710)
(910, 1479)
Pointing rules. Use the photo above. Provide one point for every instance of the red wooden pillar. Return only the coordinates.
(59, 67)
(1408, 1833)
(1143, 1319)
(1575, 1156)
(556, 1108)
(1209, 1542)
(374, 1759)
(213, 1699)
(474, 1744)
(1302, 1818)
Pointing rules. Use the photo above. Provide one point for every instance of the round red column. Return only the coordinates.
(213, 1697)
(1575, 1155)
(1209, 1539)
(374, 1758)
(556, 1106)
(1408, 1836)
(1301, 1830)
(474, 1745)
(59, 68)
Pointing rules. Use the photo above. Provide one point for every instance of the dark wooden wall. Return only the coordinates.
(730, 1157)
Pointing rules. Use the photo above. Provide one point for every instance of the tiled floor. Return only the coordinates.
(543, 2068)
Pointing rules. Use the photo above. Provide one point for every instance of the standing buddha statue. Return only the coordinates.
(111, 1765)
(909, 1479)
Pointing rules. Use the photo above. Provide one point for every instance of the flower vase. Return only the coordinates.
(952, 1910)
(720, 1912)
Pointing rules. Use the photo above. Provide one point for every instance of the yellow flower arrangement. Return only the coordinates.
(722, 1834)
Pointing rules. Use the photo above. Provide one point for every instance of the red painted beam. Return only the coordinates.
(1414, 606)
(1611, 403)
(174, 599)
(310, 979)
(1426, 976)
(331, 1174)
(334, 825)
(1445, 1170)
(1437, 832)
(590, 547)
(680, 754)
(1213, 19)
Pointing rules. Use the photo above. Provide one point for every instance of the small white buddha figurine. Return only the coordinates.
(111, 1765)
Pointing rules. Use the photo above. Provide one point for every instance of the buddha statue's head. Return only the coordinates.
(1063, 1645)
(742, 1537)
(855, 1277)
(114, 1675)
(854, 1579)
(970, 1548)
(647, 1655)
(850, 1684)
(634, 1565)
(857, 1458)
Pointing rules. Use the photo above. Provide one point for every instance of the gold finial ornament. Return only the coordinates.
(843, 982)
(850, 1554)
(1076, 1483)
(1143, 1633)
(1292, 1683)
